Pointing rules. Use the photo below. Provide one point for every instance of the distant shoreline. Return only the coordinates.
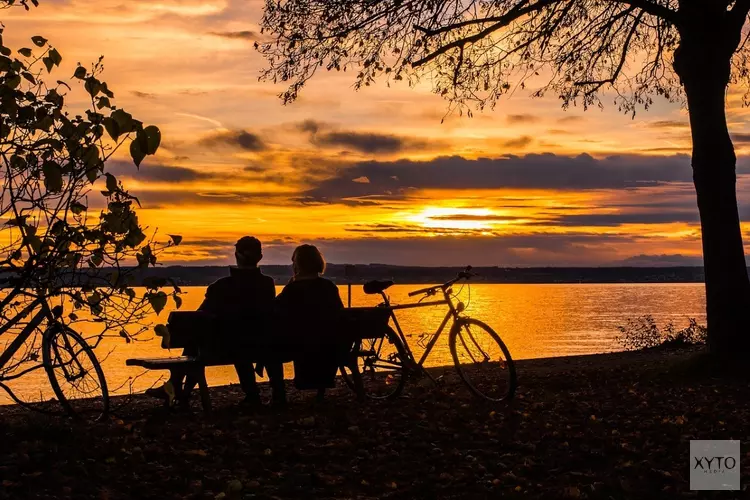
(205, 275)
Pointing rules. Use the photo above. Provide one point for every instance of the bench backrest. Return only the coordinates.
(201, 330)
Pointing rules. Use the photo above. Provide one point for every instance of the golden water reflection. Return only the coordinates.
(534, 321)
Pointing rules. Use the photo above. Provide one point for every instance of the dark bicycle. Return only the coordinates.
(74, 372)
(481, 358)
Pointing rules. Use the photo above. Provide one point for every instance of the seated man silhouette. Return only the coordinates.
(246, 292)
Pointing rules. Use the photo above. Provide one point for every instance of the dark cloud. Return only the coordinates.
(371, 143)
(326, 135)
(518, 142)
(477, 218)
(570, 119)
(670, 149)
(143, 95)
(236, 138)
(522, 118)
(668, 124)
(688, 217)
(243, 35)
(157, 198)
(532, 171)
(583, 249)
(311, 126)
(741, 138)
(411, 229)
(157, 173)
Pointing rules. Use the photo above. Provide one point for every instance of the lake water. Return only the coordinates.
(534, 321)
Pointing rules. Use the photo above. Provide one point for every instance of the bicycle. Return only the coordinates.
(73, 370)
(481, 359)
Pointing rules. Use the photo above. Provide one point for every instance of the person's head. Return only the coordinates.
(248, 251)
(308, 261)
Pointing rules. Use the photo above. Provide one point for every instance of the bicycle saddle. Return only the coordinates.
(376, 286)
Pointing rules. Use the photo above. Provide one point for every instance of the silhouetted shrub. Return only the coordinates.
(643, 333)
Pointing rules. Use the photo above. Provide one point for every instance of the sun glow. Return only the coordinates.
(455, 218)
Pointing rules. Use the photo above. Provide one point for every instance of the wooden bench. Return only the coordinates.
(211, 339)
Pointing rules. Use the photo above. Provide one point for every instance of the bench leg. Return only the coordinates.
(203, 388)
(359, 387)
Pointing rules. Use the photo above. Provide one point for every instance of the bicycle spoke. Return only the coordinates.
(75, 373)
(482, 360)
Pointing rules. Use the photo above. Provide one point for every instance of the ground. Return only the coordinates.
(603, 426)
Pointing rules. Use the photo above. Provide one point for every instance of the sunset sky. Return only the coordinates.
(373, 175)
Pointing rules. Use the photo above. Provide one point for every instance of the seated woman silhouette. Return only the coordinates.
(311, 305)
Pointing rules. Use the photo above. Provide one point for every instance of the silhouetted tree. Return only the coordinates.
(69, 233)
(475, 51)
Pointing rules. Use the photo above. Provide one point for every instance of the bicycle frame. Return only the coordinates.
(451, 314)
(27, 331)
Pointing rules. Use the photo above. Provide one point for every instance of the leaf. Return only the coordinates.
(78, 208)
(34, 242)
(48, 63)
(12, 80)
(157, 300)
(176, 239)
(92, 86)
(125, 335)
(103, 103)
(234, 486)
(55, 56)
(177, 301)
(113, 129)
(124, 120)
(137, 152)
(80, 73)
(39, 41)
(153, 139)
(92, 174)
(53, 179)
(26, 52)
(112, 186)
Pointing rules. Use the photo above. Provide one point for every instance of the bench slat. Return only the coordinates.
(161, 363)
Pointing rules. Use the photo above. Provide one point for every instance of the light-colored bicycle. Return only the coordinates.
(480, 357)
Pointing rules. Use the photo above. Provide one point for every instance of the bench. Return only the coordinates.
(210, 338)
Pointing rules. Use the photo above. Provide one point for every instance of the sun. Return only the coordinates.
(454, 218)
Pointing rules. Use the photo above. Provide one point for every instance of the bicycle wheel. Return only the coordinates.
(75, 374)
(382, 365)
(482, 360)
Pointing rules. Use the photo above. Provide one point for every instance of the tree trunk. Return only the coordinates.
(705, 77)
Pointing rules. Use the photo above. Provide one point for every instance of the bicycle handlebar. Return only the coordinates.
(465, 274)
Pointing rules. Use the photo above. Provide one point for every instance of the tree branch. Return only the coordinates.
(654, 9)
(502, 21)
(623, 57)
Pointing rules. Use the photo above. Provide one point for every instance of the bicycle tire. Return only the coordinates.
(472, 379)
(394, 379)
(95, 405)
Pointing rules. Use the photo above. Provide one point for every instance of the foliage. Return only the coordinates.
(476, 51)
(69, 235)
(643, 333)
